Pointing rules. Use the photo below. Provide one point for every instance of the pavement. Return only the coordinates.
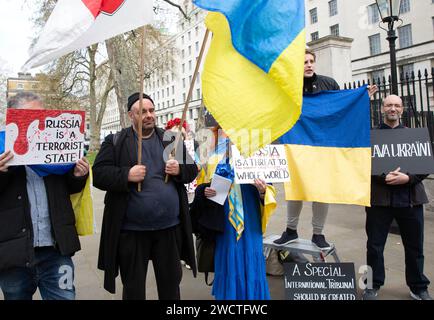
(345, 227)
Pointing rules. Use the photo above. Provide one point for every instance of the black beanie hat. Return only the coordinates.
(135, 97)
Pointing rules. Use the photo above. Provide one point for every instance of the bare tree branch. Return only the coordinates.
(179, 8)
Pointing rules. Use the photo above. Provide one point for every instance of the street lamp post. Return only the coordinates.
(389, 12)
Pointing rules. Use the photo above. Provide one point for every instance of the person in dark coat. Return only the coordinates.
(153, 224)
(400, 196)
(37, 223)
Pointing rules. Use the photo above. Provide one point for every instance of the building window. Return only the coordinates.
(377, 76)
(314, 36)
(182, 53)
(173, 76)
(406, 70)
(404, 35)
(373, 14)
(197, 94)
(173, 102)
(189, 65)
(191, 114)
(334, 30)
(162, 93)
(182, 39)
(197, 45)
(333, 8)
(20, 86)
(167, 91)
(405, 6)
(196, 30)
(183, 83)
(183, 97)
(183, 68)
(189, 50)
(173, 89)
(375, 44)
(189, 35)
(313, 16)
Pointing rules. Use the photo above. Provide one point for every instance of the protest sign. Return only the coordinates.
(409, 149)
(320, 281)
(269, 164)
(44, 136)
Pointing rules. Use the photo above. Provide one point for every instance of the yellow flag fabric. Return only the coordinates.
(249, 105)
(82, 204)
(269, 206)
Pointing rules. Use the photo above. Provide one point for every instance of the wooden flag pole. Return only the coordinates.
(190, 92)
(139, 129)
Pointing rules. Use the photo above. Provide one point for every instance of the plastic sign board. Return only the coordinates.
(44, 136)
(269, 164)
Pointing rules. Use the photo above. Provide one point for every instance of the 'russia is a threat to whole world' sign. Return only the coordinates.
(44, 136)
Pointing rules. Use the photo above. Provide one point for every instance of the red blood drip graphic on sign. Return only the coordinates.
(110, 6)
(106, 6)
(23, 119)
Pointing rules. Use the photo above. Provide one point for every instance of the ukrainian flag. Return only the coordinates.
(253, 74)
(329, 149)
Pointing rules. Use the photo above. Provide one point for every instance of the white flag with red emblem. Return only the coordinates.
(76, 24)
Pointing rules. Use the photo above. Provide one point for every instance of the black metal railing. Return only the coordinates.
(417, 93)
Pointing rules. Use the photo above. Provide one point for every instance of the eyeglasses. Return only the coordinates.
(393, 105)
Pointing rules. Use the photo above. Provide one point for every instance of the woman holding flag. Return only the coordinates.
(239, 261)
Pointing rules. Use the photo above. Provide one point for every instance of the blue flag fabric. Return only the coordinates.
(328, 149)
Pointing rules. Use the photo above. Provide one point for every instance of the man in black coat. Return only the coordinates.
(400, 196)
(37, 224)
(313, 83)
(151, 224)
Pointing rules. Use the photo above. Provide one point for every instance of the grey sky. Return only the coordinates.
(15, 33)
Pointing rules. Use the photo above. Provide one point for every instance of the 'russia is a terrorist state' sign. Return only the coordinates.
(44, 136)
(269, 164)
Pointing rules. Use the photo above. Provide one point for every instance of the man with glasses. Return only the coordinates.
(400, 196)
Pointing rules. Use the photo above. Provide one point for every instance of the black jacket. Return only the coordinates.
(406, 195)
(117, 155)
(208, 217)
(318, 83)
(16, 230)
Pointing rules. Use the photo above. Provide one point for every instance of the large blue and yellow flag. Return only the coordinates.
(253, 74)
(329, 149)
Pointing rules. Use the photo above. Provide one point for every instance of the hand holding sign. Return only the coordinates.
(261, 186)
(81, 167)
(4, 159)
(396, 177)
